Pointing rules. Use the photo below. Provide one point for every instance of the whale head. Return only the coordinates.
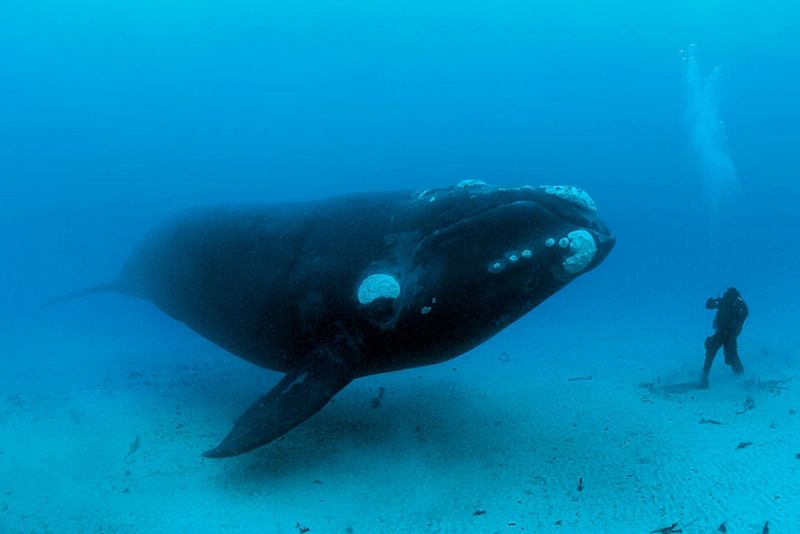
(492, 254)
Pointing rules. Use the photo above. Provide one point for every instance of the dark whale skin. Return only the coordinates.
(331, 290)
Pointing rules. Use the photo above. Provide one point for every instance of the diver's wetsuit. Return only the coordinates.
(731, 314)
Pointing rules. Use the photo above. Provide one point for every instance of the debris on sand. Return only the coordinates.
(749, 404)
(705, 421)
(132, 448)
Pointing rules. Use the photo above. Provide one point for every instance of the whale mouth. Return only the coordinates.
(569, 204)
(605, 241)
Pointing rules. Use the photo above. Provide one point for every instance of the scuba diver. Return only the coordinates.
(731, 314)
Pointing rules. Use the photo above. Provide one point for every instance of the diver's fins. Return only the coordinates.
(299, 395)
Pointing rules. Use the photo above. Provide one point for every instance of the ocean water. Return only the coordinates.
(679, 118)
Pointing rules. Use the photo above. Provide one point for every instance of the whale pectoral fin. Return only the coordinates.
(298, 396)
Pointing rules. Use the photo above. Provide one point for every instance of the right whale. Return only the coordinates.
(332, 290)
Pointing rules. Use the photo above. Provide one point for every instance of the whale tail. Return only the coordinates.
(95, 290)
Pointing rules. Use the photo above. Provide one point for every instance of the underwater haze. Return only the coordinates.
(681, 119)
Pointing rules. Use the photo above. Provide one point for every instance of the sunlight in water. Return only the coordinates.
(708, 130)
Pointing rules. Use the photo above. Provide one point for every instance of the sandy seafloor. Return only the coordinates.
(494, 441)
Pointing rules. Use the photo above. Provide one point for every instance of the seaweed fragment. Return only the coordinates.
(749, 404)
(132, 448)
(705, 421)
(667, 530)
(673, 528)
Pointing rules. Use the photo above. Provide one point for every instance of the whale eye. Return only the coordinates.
(378, 286)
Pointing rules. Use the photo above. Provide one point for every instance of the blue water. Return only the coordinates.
(680, 118)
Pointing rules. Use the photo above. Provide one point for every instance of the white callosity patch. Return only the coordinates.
(563, 242)
(571, 193)
(425, 310)
(583, 248)
(511, 258)
(550, 242)
(378, 286)
(424, 194)
(496, 266)
(463, 184)
(299, 380)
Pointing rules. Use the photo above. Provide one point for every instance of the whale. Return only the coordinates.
(330, 290)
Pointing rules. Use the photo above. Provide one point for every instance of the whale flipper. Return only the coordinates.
(299, 395)
(95, 290)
